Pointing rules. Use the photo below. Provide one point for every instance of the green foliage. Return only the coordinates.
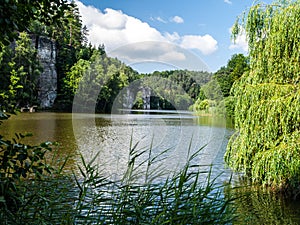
(266, 145)
(147, 195)
(19, 161)
(16, 15)
(219, 88)
(226, 76)
(201, 105)
(138, 104)
(229, 103)
(165, 91)
(97, 81)
(20, 69)
(176, 89)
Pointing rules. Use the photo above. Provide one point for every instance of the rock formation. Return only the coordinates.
(47, 85)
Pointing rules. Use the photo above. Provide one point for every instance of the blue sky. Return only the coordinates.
(155, 35)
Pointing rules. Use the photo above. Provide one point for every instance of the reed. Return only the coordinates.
(144, 194)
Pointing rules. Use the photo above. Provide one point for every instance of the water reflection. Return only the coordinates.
(114, 135)
(44, 127)
(257, 206)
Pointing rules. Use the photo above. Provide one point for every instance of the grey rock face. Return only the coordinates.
(47, 85)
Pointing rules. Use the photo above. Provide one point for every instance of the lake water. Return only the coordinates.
(181, 133)
(112, 135)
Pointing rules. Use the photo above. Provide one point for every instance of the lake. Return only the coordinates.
(112, 135)
(179, 132)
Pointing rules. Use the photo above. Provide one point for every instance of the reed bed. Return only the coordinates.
(145, 194)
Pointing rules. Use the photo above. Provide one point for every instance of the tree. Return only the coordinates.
(16, 15)
(226, 76)
(96, 81)
(179, 88)
(28, 69)
(70, 37)
(267, 115)
(19, 71)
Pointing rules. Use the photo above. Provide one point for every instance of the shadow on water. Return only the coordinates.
(255, 205)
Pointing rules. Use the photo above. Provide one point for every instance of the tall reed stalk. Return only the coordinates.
(147, 195)
(144, 194)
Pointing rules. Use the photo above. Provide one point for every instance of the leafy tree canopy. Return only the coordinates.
(267, 115)
(234, 69)
(16, 15)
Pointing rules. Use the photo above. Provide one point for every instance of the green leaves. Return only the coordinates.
(19, 160)
(16, 15)
(19, 71)
(267, 113)
(148, 194)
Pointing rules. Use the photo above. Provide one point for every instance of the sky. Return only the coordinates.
(154, 35)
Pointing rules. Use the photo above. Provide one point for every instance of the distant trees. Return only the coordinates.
(267, 116)
(226, 76)
(99, 76)
(217, 92)
(177, 89)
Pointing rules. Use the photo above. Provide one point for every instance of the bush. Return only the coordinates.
(201, 105)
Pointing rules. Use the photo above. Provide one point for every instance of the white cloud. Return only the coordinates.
(228, 2)
(172, 37)
(158, 18)
(166, 53)
(115, 29)
(205, 44)
(177, 19)
(240, 42)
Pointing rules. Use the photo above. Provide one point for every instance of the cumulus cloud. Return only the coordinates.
(205, 44)
(115, 29)
(240, 42)
(159, 52)
(177, 19)
(149, 51)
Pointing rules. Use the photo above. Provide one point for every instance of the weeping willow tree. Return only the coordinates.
(266, 146)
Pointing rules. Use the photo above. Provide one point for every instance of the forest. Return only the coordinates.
(21, 68)
(260, 92)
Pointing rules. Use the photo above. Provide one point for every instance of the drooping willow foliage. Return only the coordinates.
(266, 146)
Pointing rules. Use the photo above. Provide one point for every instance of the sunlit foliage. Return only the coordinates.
(266, 145)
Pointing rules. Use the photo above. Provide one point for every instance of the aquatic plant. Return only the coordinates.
(145, 193)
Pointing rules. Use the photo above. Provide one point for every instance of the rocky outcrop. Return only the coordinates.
(130, 94)
(47, 85)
